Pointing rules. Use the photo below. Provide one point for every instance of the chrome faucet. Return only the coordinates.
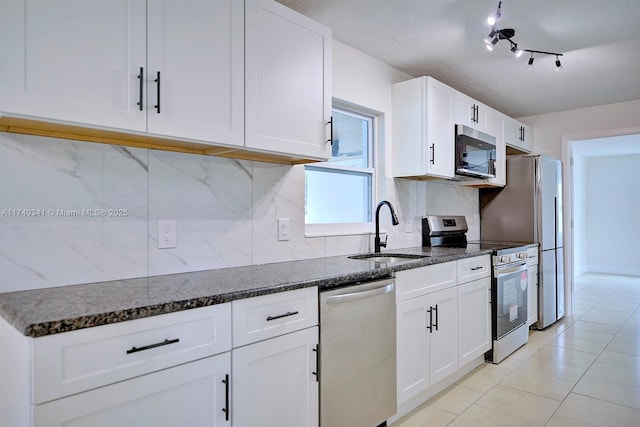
(394, 220)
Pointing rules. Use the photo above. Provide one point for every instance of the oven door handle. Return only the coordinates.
(511, 269)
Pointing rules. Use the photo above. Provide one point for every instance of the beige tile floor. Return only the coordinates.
(582, 371)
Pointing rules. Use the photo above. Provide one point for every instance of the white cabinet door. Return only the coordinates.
(518, 137)
(469, 112)
(196, 47)
(193, 394)
(444, 334)
(76, 61)
(423, 133)
(288, 81)
(440, 130)
(274, 383)
(474, 323)
(412, 347)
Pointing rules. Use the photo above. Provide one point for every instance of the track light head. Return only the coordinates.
(494, 18)
(558, 64)
(530, 65)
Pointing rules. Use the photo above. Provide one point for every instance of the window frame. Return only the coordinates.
(337, 229)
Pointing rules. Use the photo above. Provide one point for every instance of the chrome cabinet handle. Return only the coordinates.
(280, 316)
(433, 153)
(150, 346)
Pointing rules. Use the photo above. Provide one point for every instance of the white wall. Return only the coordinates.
(226, 210)
(579, 221)
(550, 129)
(612, 203)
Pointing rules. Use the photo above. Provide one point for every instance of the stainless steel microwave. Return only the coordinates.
(475, 153)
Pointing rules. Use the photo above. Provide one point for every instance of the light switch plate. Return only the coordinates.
(283, 229)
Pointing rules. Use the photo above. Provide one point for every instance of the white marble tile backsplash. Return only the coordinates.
(226, 212)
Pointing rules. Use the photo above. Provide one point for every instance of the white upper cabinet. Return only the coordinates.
(167, 67)
(195, 69)
(74, 61)
(517, 136)
(469, 112)
(288, 81)
(423, 132)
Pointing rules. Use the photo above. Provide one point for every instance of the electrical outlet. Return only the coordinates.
(283, 229)
(167, 237)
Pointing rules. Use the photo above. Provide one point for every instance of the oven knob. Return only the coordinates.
(522, 255)
(505, 258)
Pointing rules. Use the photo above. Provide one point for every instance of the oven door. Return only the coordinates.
(510, 283)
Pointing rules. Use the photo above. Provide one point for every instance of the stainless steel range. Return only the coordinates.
(509, 281)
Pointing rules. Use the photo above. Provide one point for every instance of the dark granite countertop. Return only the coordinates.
(48, 311)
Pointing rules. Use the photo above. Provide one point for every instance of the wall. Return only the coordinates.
(52, 190)
(550, 129)
(611, 222)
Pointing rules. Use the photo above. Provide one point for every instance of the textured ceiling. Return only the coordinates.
(600, 40)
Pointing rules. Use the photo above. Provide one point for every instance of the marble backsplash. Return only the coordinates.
(74, 212)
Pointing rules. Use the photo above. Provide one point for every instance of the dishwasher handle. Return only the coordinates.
(384, 288)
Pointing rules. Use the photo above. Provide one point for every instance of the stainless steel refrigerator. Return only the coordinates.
(529, 209)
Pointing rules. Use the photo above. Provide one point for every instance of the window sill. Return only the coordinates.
(328, 230)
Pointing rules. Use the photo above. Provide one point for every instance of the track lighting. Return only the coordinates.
(514, 49)
(497, 34)
(494, 18)
(558, 64)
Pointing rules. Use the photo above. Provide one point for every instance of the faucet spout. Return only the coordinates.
(394, 220)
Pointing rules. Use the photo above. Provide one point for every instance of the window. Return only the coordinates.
(340, 191)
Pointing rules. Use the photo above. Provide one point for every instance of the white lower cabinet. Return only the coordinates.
(474, 322)
(274, 382)
(427, 348)
(193, 394)
(440, 330)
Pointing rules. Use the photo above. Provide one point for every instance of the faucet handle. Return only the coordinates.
(384, 244)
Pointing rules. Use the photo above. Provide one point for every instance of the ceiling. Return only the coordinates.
(600, 40)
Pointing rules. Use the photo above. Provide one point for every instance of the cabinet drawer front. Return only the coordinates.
(473, 268)
(267, 316)
(424, 280)
(76, 361)
(532, 256)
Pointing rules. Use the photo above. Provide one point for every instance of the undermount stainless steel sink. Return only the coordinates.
(387, 257)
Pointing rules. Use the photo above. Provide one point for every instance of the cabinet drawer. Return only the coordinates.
(473, 268)
(532, 256)
(267, 316)
(76, 361)
(424, 280)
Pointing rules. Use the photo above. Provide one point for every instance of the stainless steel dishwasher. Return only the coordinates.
(358, 355)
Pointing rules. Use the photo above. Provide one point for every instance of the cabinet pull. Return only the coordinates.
(157, 80)
(280, 316)
(140, 88)
(476, 268)
(430, 327)
(433, 153)
(226, 411)
(148, 347)
(317, 372)
(330, 123)
(436, 310)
